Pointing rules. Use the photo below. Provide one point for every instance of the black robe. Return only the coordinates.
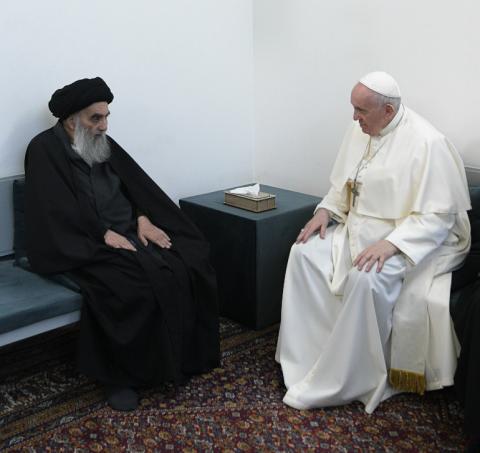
(148, 316)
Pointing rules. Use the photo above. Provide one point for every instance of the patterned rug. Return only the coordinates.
(46, 406)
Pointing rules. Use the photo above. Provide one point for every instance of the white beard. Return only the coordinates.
(93, 149)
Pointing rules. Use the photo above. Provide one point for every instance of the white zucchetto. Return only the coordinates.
(382, 83)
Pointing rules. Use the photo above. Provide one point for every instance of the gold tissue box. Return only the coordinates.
(256, 203)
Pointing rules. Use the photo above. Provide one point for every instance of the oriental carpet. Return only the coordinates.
(46, 406)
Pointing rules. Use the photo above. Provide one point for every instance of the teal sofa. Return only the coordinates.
(29, 303)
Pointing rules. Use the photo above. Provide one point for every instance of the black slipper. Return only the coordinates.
(121, 398)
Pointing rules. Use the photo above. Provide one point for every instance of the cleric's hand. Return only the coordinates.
(318, 222)
(379, 252)
(147, 231)
(117, 241)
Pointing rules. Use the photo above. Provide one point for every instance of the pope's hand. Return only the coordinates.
(147, 231)
(117, 241)
(318, 222)
(379, 252)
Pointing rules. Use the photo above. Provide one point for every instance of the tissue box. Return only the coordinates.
(256, 203)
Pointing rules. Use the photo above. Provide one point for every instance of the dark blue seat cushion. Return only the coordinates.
(26, 298)
(469, 272)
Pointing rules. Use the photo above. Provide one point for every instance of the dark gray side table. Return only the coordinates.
(249, 251)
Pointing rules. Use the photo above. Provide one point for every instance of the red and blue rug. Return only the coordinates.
(45, 406)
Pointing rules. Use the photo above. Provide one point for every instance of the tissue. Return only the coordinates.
(253, 190)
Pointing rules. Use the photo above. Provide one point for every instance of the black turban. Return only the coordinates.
(78, 95)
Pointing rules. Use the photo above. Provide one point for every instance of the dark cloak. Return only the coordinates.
(148, 316)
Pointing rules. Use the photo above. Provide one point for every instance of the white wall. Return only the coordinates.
(309, 54)
(181, 72)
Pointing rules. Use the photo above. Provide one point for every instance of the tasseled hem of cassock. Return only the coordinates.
(407, 381)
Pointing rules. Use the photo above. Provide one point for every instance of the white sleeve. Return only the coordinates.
(420, 234)
(336, 203)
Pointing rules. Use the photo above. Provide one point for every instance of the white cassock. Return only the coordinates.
(350, 335)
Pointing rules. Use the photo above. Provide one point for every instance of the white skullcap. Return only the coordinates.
(381, 83)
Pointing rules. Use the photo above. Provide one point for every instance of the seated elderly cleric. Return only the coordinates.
(150, 305)
(365, 310)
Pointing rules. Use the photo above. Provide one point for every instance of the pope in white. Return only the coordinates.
(365, 311)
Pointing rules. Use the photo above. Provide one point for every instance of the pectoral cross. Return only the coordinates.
(355, 192)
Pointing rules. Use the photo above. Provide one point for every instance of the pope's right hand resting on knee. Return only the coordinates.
(365, 311)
